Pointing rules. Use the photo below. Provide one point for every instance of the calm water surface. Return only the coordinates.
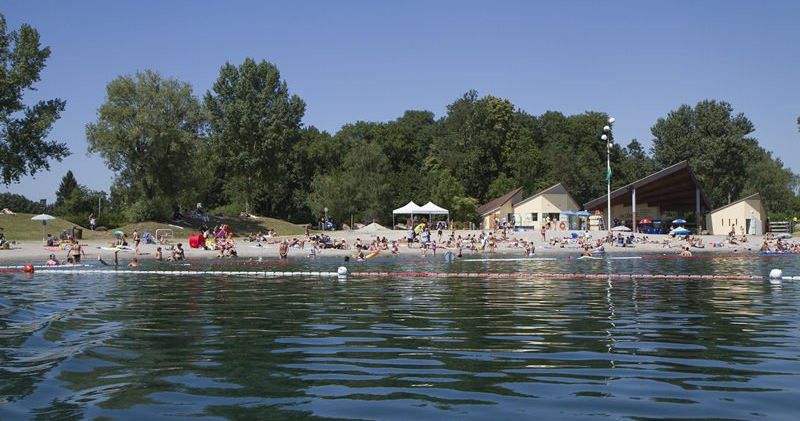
(135, 347)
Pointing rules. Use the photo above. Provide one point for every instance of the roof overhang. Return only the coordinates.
(673, 188)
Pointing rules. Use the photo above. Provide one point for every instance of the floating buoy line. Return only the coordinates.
(342, 273)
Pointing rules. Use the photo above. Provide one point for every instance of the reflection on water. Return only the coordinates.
(129, 347)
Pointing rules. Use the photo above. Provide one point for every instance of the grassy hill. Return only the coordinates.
(19, 227)
(240, 225)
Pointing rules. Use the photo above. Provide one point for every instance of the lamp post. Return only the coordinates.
(607, 137)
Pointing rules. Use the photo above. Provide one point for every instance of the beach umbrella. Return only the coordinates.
(646, 221)
(620, 228)
(44, 218)
(678, 221)
(680, 231)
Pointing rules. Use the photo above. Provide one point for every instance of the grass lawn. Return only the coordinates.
(19, 227)
(240, 225)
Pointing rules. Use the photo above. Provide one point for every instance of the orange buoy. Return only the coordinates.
(28, 268)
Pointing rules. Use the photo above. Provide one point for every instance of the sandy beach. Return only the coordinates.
(33, 251)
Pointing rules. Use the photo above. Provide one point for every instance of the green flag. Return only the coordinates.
(608, 174)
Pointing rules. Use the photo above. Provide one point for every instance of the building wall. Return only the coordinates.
(721, 221)
(542, 205)
(488, 220)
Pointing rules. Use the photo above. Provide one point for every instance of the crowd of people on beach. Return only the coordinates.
(429, 238)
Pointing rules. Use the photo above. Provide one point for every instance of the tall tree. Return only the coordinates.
(255, 123)
(148, 131)
(24, 149)
(473, 140)
(65, 189)
(715, 142)
(634, 164)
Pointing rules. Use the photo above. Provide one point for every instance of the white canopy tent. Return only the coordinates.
(431, 208)
(410, 208)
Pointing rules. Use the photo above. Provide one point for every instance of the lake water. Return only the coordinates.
(134, 347)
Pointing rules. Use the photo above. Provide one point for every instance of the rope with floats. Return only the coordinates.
(343, 273)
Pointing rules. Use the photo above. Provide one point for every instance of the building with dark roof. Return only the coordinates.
(671, 190)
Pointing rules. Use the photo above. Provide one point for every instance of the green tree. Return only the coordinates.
(148, 131)
(446, 190)
(359, 188)
(465, 209)
(65, 189)
(254, 124)
(19, 203)
(500, 186)
(775, 183)
(473, 139)
(634, 165)
(715, 142)
(23, 129)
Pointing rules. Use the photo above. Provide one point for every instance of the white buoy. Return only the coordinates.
(342, 272)
(775, 274)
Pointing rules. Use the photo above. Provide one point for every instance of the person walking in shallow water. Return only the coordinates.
(283, 250)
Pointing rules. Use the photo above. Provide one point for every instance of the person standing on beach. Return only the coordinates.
(92, 221)
(136, 240)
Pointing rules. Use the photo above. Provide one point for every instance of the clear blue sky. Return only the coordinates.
(371, 60)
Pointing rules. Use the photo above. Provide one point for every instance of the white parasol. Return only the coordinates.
(44, 218)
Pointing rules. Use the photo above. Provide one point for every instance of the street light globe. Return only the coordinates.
(611, 120)
(604, 137)
(606, 128)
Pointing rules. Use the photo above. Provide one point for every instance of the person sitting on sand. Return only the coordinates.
(134, 263)
(52, 261)
(685, 252)
(178, 253)
(765, 247)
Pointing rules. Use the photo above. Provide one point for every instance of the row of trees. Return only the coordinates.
(243, 146)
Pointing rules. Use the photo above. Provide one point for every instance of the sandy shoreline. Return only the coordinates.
(33, 251)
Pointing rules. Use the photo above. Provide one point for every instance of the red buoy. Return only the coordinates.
(28, 268)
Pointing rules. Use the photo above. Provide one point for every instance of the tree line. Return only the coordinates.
(242, 145)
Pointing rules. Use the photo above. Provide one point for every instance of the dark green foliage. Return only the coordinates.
(19, 203)
(254, 126)
(23, 128)
(256, 155)
(714, 142)
(149, 132)
(65, 189)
